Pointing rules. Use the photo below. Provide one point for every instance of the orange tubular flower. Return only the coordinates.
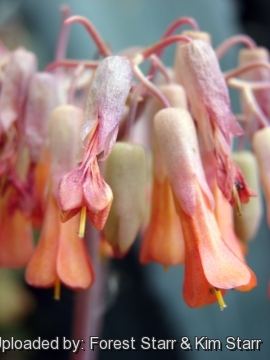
(16, 242)
(210, 265)
(84, 188)
(163, 240)
(60, 254)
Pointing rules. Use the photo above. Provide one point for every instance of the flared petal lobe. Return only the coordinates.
(41, 269)
(73, 264)
(16, 241)
(163, 241)
(85, 186)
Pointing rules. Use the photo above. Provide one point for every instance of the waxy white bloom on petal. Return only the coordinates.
(41, 100)
(206, 89)
(182, 155)
(107, 96)
(20, 67)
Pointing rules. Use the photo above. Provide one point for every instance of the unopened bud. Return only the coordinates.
(261, 147)
(65, 125)
(41, 100)
(126, 175)
(198, 35)
(18, 70)
(107, 96)
(248, 56)
(247, 224)
(174, 93)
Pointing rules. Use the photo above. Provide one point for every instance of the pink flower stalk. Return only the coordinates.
(84, 186)
(249, 56)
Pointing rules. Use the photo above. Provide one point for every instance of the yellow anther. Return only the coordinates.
(57, 289)
(82, 222)
(166, 268)
(220, 300)
(237, 200)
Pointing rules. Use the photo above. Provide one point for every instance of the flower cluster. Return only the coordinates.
(136, 154)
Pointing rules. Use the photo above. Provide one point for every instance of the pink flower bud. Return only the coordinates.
(206, 90)
(18, 71)
(261, 147)
(41, 100)
(177, 139)
(107, 96)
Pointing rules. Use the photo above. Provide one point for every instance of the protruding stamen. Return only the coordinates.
(82, 222)
(166, 268)
(237, 200)
(57, 289)
(220, 300)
